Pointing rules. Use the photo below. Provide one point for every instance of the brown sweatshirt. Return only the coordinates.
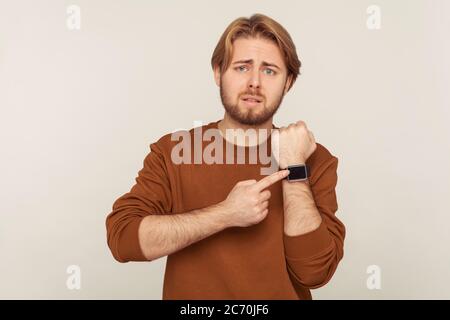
(256, 262)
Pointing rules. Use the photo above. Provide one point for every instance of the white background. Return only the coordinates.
(79, 109)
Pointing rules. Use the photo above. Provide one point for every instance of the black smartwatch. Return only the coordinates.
(298, 172)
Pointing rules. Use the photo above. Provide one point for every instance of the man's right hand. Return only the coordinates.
(247, 203)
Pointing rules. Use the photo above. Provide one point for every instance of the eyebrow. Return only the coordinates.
(264, 63)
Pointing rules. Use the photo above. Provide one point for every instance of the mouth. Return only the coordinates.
(252, 101)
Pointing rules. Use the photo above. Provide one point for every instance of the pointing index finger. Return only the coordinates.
(269, 180)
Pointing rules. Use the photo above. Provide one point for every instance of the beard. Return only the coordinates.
(252, 116)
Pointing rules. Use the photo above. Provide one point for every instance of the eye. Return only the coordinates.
(271, 72)
(240, 68)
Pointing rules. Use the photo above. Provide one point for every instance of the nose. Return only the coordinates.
(254, 81)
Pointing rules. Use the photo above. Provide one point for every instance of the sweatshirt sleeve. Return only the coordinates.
(151, 194)
(312, 258)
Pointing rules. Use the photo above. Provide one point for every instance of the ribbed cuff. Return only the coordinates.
(129, 248)
(309, 244)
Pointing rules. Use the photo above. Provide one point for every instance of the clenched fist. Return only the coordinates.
(247, 203)
(292, 144)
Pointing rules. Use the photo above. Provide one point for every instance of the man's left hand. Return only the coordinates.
(292, 144)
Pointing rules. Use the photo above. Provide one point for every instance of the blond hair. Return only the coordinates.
(258, 25)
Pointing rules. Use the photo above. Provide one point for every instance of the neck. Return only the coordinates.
(236, 138)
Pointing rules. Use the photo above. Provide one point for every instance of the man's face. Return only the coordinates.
(253, 86)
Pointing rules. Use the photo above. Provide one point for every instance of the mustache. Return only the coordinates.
(255, 94)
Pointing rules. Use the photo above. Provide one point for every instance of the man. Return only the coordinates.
(230, 232)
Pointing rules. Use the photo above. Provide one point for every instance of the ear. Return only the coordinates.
(287, 84)
(217, 75)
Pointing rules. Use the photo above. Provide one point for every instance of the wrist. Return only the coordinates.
(290, 162)
(223, 215)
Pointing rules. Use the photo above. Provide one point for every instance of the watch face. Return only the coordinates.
(297, 173)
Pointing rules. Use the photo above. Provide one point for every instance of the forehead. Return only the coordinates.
(258, 49)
